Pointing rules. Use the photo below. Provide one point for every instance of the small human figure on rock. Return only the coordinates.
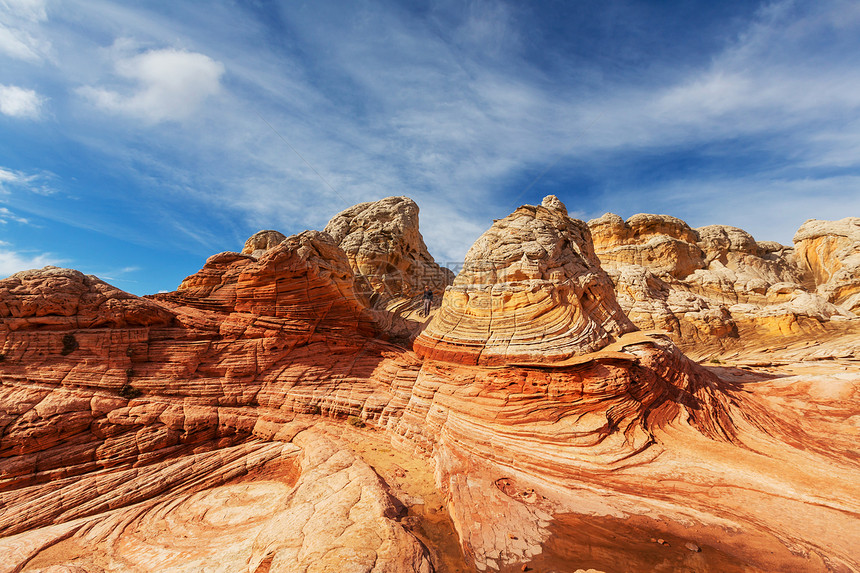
(428, 300)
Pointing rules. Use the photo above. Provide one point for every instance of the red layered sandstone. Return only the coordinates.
(217, 427)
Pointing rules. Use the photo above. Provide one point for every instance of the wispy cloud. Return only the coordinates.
(39, 182)
(6, 215)
(19, 21)
(460, 105)
(118, 275)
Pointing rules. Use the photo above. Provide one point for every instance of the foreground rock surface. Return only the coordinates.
(227, 426)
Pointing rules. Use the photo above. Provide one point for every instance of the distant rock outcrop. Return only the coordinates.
(531, 290)
(385, 249)
(705, 285)
(57, 298)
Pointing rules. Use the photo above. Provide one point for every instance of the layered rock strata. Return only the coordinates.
(531, 290)
(303, 280)
(199, 435)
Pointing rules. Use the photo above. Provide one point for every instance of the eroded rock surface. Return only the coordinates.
(830, 250)
(261, 241)
(217, 427)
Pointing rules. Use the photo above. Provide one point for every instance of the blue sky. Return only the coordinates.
(137, 139)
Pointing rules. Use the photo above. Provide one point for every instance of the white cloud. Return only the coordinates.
(8, 176)
(20, 102)
(34, 183)
(12, 262)
(6, 215)
(170, 85)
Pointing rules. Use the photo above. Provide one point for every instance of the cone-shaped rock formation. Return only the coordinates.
(531, 290)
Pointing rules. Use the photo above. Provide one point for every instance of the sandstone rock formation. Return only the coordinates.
(305, 279)
(56, 298)
(531, 290)
(830, 250)
(226, 426)
(708, 285)
(385, 249)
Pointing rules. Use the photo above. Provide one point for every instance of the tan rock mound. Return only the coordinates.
(663, 244)
(531, 290)
(261, 241)
(386, 250)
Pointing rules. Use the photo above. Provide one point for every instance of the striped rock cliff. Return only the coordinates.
(257, 419)
(710, 287)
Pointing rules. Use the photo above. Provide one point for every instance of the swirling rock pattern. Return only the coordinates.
(531, 290)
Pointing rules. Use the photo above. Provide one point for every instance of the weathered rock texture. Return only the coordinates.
(531, 290)
(708, 285)
(213, 428)
(304, 280)
(385, 249)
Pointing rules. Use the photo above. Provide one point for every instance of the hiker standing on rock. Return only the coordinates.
(428, 300)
